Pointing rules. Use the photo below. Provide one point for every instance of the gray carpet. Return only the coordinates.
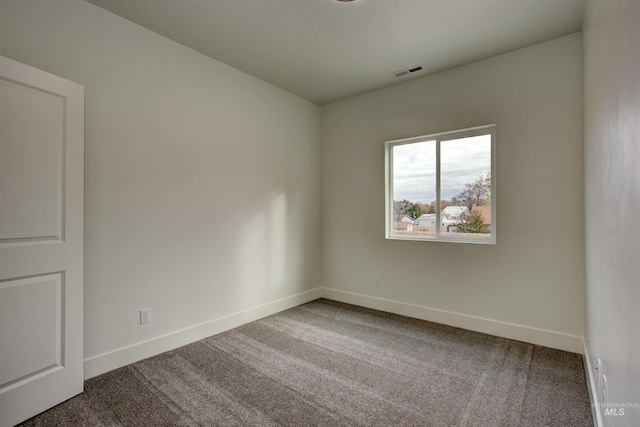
(331, 364)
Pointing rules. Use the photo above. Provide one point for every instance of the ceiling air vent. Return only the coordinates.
(408, 71)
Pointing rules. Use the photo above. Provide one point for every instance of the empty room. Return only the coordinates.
(319, 212)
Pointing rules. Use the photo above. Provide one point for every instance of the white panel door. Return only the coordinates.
(41, 240)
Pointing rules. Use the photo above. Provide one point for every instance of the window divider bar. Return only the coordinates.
(438, 205)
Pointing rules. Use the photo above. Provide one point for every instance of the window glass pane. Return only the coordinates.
(414, 190)
(465, 186)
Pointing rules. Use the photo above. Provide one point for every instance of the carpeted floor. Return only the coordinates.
(331, 364)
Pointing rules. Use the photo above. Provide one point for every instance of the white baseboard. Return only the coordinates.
(105, 362)
(592, 386)
(527, 334)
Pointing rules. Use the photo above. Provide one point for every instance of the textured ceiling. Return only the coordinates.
(325, 50)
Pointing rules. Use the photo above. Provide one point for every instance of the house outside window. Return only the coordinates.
(441, 187)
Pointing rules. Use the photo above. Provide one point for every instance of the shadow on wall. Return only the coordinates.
(262, 253)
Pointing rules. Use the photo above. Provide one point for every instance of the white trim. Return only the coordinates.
(552, 339)
(592, 386)
(105, 362)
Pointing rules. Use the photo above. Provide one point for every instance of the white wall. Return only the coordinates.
(533, 278)
(202, 182)
(612, 198)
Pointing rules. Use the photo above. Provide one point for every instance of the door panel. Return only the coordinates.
(37, 339)
(41, 240)
(31, 170)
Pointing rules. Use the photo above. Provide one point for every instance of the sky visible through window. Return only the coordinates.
(461, 162)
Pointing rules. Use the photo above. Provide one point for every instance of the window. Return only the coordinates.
(442, 187)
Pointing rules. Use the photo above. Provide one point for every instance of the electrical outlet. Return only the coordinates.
(145, 315)
(376, 281)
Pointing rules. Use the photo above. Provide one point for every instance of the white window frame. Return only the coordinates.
(438, 138)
